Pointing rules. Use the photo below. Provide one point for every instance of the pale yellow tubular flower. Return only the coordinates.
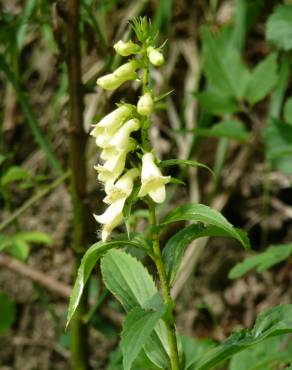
(105, 129)
(112, 168)
(115, 164)
(126, 48)
(111, 151)
(155, 57)
(112, 121)
(121, 138)
(127, 69)
(153, 183)
(123, 187)
(111, 218)
(145, 104)
(109, 82)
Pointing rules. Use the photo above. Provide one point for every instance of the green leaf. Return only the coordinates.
(35, 237)
(205, 214)
(224, 67)
(120, 271)
(232, 129)
(262, 261)
(7, 312)
(19, 249)
(129, 281)
(87, 264)
(183, 162)
(194, 349)
(272, 322)
(279, 30)
(14, 173)
(288, 111)
(263, 78)
(217, 103)
(278, 140)
(267, 355)
(173, 250)
(137, 328)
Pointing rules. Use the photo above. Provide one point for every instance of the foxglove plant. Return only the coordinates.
(130, 172)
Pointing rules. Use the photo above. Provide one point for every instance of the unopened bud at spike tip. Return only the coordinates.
(145, 105)
(126, 48)
(155, 57)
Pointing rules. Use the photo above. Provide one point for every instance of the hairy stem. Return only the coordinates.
(165, 289)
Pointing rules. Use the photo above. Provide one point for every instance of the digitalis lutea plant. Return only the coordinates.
(130, 171)
(113, 136)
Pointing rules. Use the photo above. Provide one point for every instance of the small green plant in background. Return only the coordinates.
(131, 172)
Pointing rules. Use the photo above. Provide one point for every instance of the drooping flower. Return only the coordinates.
(122, 188)
(145, 104)
(108, 126)
(121, 138)
(111, 218)
(155, 57)
(112, 121)
(125, 72)
(114, 165)
(109, 82)
(126, 48)
(153, 183)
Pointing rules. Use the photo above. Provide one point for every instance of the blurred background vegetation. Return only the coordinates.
(228, 66)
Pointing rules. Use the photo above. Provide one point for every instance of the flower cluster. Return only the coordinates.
(113, 135)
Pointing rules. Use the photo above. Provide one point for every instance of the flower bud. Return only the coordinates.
(121, 139)
(111, 218)
(126, 48)
(153, 183)
(109, 82)
(122, 188)
(145, 105)
(155, 57)
(126, 70)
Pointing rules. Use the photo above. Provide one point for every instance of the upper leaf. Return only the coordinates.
(88, 262)
(130, 282)
(279, 30)
(224, 67)
(137, 328)
(274, 321)
(205, 214)
(273, 255)
(174, 249)
(264, 77)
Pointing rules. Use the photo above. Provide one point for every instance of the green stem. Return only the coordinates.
(165, 289)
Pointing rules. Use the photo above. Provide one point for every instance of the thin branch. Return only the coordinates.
(36, 276)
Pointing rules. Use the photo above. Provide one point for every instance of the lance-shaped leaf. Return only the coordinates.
(89, 260)
(272, 322)
(184, 162)
(174, 248)
(209, 216)
(130, 282)
(137, 329)
(262, 261)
